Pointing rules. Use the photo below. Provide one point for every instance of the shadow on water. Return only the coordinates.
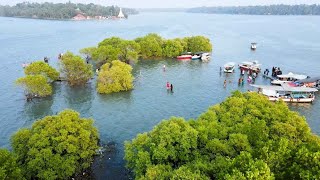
(37, 109)
(79, 98)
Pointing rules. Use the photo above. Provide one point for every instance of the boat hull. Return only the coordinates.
(293, 100)
(228, 70)
(184, 57)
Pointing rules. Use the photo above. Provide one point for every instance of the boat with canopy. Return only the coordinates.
(290, 77)
(287, 93)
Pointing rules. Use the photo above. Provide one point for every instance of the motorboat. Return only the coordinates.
(313, 82)
(205, 57)
(184, 57)
(229, 67)
(290, 77)
(253, 46)
(250, 65)
(287, 93)
(196, 57)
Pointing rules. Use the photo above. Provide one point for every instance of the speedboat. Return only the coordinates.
(250, 65)
(313, 82)
(196, 57)
(253, 46)
(184, 57)
(205, 57)
(229, 67)
(290, 77)
(287, 93)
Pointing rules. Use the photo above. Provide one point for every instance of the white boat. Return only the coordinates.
(250, 65)
(253, 46)
(229, 67)
(290, 77)
(205, 57)
(287, 93)
(196, 57)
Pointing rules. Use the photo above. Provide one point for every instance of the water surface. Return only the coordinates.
(290, 42)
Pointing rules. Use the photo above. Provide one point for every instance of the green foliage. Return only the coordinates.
(279, 9)
(172, 48)
(75, 70)
(171, 143)
(112, 41)
(129, 51)
(105, 54)
(56, 147)
(60, 10)
(35, 85)
(115, 77)
(42, 68)
(9, 168)
(244, 137)
(88, 51)
(198, 43)
(151, 46)
(116, 48)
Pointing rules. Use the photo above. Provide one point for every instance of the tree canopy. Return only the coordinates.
(75, 69)
(151, 46)
(56, 147)
(280, 9)
(9, 168)
(60, 10)
(198, 43)
(244, 137)
(35, 85)
(114, 77)
(42, 68)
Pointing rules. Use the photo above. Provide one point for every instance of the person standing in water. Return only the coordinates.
(168, 86)
(164, 68)
(171, 88)
(225, 83)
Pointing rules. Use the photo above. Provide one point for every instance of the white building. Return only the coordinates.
(121, 15)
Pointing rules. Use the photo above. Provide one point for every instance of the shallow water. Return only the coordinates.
(290, 42)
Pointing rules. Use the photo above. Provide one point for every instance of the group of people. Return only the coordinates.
(169, 87)
(266, 72)
(241, 81)
(276, 71)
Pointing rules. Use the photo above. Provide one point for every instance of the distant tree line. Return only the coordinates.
(261, 10)
(60, 10)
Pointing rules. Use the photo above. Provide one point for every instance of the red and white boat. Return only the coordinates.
(184, 57)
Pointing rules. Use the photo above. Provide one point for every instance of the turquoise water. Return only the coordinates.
(291, 42)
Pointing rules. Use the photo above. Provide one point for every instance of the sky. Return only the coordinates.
(172, 3)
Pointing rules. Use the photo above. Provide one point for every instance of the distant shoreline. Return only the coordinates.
(57, 19)
(281, 10)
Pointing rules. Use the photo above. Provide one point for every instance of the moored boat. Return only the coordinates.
(229, 67)
(205, 57)
(313, 82)
(195, 57)
(250, 65)
(287, 93)
(253, 46)
(286, 78)
(184, 57)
